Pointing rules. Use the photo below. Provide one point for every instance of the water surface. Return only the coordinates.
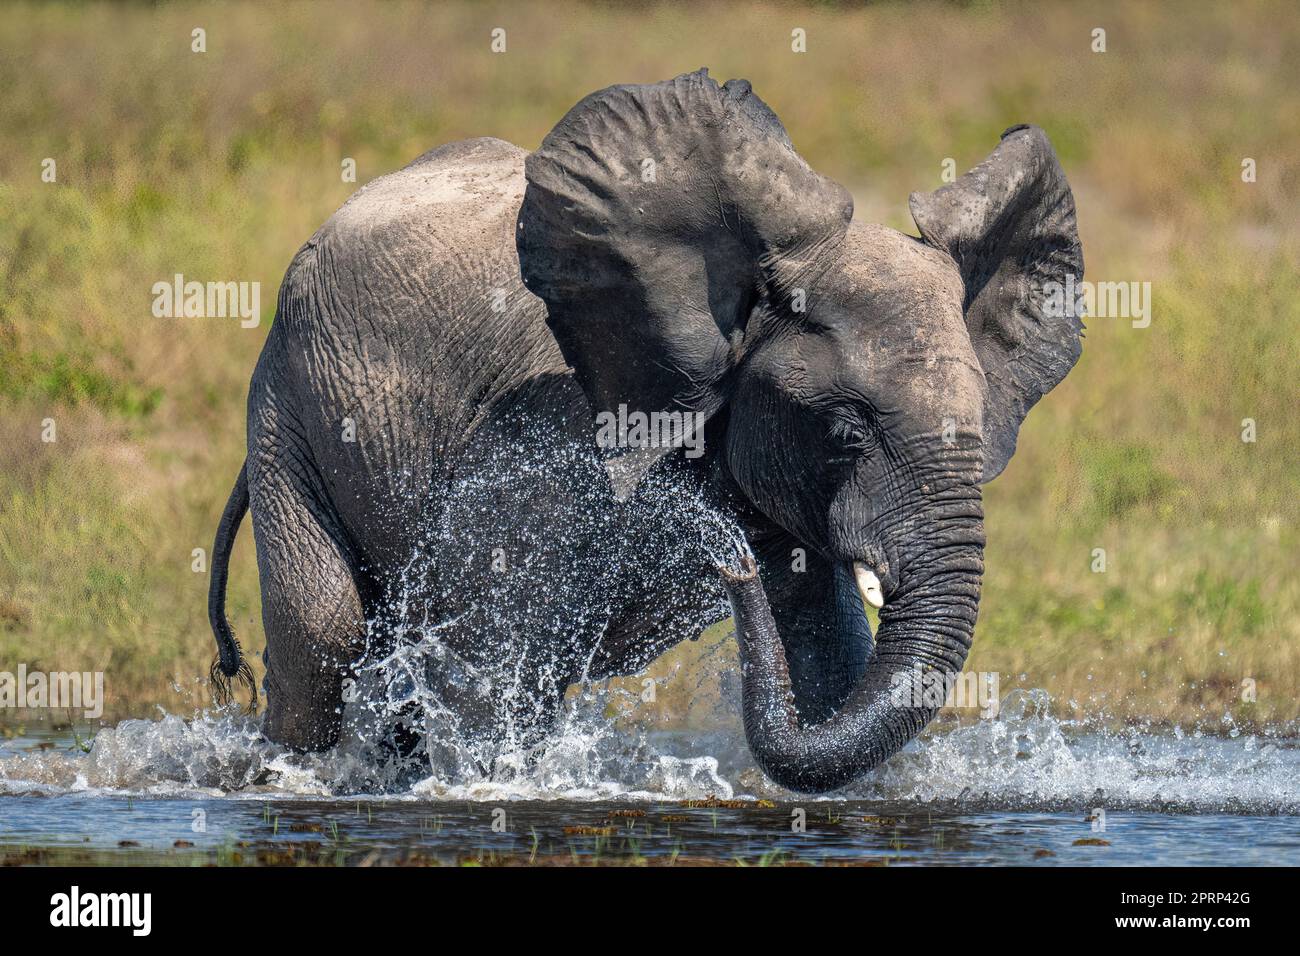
(1022, 789)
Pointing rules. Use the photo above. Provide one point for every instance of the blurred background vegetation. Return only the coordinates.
(219, 165)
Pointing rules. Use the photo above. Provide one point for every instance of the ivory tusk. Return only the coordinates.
(868, 585)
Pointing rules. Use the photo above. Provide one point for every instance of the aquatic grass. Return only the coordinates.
(773, 857)
(79, 743)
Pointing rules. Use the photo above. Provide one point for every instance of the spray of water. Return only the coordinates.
(1024, 759)
(528, 578)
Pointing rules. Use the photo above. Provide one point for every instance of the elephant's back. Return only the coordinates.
(438, 230)
(406, 316)
(458, 201)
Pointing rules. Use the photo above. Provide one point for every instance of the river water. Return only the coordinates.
(1024, 788)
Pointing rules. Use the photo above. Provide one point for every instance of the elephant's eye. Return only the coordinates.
(848, 441)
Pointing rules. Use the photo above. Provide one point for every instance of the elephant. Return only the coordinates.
(665, 250)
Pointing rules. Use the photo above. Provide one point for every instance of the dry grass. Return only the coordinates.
(221, 164)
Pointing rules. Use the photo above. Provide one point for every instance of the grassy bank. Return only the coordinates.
(220, 164)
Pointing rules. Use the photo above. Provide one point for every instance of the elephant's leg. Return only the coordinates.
(820, 618)
(311, 608)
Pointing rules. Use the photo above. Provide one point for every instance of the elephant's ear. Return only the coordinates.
(1009, 225)
(655, 220)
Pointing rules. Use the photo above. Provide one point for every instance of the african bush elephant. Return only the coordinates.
(664, 250)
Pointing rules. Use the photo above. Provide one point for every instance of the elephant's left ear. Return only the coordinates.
(661, 224)
(1009, 225)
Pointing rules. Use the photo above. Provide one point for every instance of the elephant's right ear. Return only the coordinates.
(655, 220)
(1009, 226)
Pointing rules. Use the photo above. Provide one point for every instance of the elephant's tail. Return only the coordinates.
(230, 663)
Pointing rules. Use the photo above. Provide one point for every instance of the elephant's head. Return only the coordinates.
(859, 384)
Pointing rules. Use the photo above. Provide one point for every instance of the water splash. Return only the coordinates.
(1029, 759)
(526, 575)
(1025, 759)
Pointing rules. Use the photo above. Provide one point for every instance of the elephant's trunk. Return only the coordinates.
(925, 628)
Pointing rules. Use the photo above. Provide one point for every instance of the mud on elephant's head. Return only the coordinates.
(859, 384)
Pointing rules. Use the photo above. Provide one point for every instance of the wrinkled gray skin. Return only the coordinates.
(859, 386)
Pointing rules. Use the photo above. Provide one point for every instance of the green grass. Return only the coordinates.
(219, 165)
